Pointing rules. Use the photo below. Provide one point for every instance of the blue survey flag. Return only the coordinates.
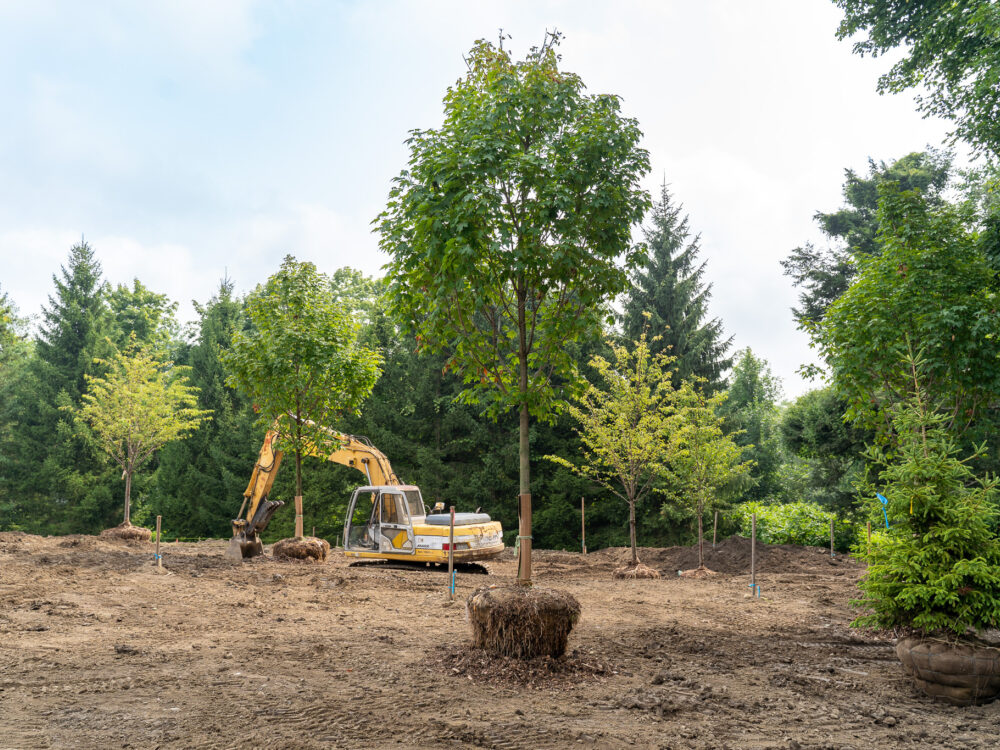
(885, 502)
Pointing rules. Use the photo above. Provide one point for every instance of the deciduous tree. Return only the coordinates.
(507, 229)
(301, 361)
(139, 406)
(703, 458)
(952, 54)
(623, 425)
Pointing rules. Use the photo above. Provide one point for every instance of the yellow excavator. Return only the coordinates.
(386, 519)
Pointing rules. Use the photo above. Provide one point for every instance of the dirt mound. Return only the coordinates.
(304, 548)
(634, 571)
(483, 666)
(522, 622)
(731, 556)
(128, 532)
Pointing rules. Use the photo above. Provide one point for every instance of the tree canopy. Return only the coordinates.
(139, 406)
(952, 52)
(824, 273)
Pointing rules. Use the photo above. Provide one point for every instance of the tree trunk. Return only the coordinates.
(128, 495)
(631, 531)
(524, 449)
(701, 544)
(524, 502)
(298, 494)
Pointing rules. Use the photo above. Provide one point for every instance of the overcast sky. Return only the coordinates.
(190, 139)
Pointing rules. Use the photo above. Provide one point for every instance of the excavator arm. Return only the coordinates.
(354, 451)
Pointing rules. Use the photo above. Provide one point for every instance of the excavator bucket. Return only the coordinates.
(240, 548)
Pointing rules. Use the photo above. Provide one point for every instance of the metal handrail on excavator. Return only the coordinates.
(355, 451)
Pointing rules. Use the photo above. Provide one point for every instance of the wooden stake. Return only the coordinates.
(314, 532)
(753, 549)
(583, 527)
(451, 556)
(831, 537)
(715, 528)
(159, 560)
(298, 517)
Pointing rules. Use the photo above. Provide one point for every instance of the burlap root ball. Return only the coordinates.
(128, 532)
(521, 621)
(635, 571)
(701, 572)
(963, 674)
(302, 548)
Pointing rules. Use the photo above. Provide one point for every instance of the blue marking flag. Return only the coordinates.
(885, 502)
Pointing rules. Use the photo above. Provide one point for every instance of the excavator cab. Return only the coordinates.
(380, 519)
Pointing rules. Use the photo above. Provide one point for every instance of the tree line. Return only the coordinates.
(909, 269)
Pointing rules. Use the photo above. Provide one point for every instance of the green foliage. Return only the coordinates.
(938, 567)
(930, 283)
(144, 314)
(703, 458)
(139, 406)
(200, 480)
(823, 274)
(301, 361)
(623, 426)
(828, 449)
(802, 523)
(669, 298)
(751, 416)
(506, 229)
(51, 471)
(952, 54)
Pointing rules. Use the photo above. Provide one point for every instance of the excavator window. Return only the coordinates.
(393, 509)
(415, 503)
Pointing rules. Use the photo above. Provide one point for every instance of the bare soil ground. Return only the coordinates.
(98, 649)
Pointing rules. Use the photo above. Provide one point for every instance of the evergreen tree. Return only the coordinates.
(751, 416)
(15, 360)
(54, 470)
(200, 481)
(671, 289)
(823, 274)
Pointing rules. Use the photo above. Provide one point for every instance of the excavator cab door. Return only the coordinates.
(361, 526)
(395, 528)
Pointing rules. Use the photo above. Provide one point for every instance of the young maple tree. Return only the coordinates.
(624, 425)
(302, 362)
(139, 406)
(510, 230)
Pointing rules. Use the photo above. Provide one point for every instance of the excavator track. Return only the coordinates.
(474, 568)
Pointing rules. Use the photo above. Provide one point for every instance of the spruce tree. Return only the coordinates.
(672, 290)
(53, 469)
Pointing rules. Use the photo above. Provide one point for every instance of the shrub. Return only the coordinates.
(795, 523)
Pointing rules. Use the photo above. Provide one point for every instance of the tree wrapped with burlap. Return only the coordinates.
(301, 548)
(128, 532)
(522, 622)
